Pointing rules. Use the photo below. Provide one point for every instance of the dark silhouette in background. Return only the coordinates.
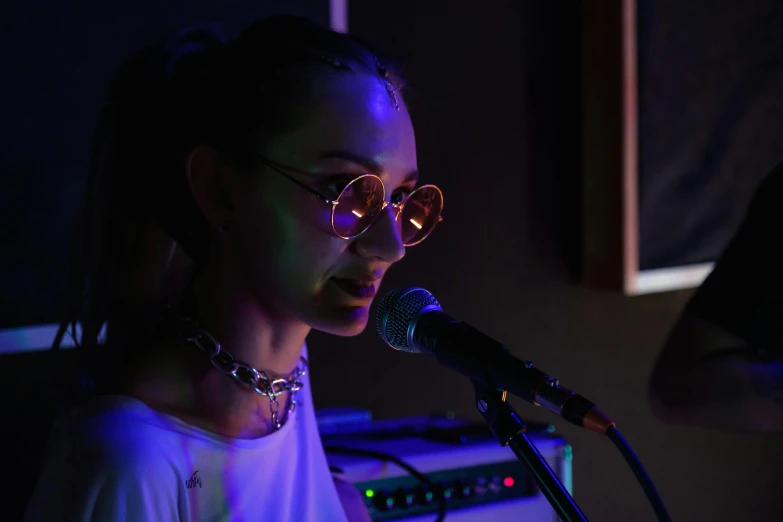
(722, 365)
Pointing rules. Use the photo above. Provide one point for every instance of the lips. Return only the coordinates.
(361, 287)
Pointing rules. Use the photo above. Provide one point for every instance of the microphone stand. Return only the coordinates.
(510, 429)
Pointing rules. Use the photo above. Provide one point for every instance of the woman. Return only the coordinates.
(230, 211)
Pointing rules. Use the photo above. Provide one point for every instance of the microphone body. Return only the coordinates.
(460, 347)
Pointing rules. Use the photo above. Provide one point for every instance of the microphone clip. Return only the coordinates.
(499, 416)
(509, 429)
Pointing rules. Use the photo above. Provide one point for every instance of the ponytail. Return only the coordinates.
(139, 230)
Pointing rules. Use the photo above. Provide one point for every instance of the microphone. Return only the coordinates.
(411, 320)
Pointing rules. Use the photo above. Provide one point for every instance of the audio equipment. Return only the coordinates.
(481, 480)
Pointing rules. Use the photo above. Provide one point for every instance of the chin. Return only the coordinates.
(345, 322)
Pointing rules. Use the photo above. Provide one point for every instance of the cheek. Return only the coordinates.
(290, 244)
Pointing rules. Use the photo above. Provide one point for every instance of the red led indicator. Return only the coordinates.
(508, 482)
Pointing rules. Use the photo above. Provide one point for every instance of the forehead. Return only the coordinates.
(354, 113)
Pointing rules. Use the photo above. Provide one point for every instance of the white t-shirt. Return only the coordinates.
(115, 459)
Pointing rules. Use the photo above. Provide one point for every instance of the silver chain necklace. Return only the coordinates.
(257, 380)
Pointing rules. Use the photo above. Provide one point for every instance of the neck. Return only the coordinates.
(181, 381)
(260, 337)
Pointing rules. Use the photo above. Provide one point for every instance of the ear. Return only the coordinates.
(209, 178)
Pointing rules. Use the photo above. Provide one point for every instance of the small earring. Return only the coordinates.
(225, 227)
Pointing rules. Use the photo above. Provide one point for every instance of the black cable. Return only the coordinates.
(641, 475)
(421, 477)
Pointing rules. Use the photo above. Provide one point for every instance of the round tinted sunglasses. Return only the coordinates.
(362, 200)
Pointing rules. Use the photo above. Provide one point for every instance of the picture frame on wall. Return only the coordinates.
(682, 115)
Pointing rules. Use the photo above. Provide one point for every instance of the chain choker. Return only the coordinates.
(257, 380)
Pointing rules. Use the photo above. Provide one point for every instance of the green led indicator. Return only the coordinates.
(389, 502)
(428, 496)
(370, 493)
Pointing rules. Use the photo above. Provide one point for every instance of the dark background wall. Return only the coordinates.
(495, 94)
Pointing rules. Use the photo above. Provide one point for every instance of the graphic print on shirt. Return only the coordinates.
(193, 481)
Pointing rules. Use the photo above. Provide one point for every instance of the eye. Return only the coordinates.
(336, 184)
(400, 195)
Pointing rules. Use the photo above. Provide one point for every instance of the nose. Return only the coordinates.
(383, 240)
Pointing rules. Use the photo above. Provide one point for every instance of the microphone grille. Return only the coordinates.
(396, 311)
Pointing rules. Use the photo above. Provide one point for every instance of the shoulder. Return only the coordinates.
(114, 438)
(105, 463)
(752, 253)
(114, 442)
(744, 293)
(773, 181)
(119, 427)
(768, 197)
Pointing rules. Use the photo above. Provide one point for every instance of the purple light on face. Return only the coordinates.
(344, 222)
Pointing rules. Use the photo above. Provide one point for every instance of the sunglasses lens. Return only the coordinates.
(420, 214)
(359, 205)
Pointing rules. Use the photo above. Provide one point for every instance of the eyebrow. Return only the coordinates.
(372, 166)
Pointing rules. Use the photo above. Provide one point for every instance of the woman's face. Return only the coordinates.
(282, 239)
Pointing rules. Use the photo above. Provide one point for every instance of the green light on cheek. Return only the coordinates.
(370, 493)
